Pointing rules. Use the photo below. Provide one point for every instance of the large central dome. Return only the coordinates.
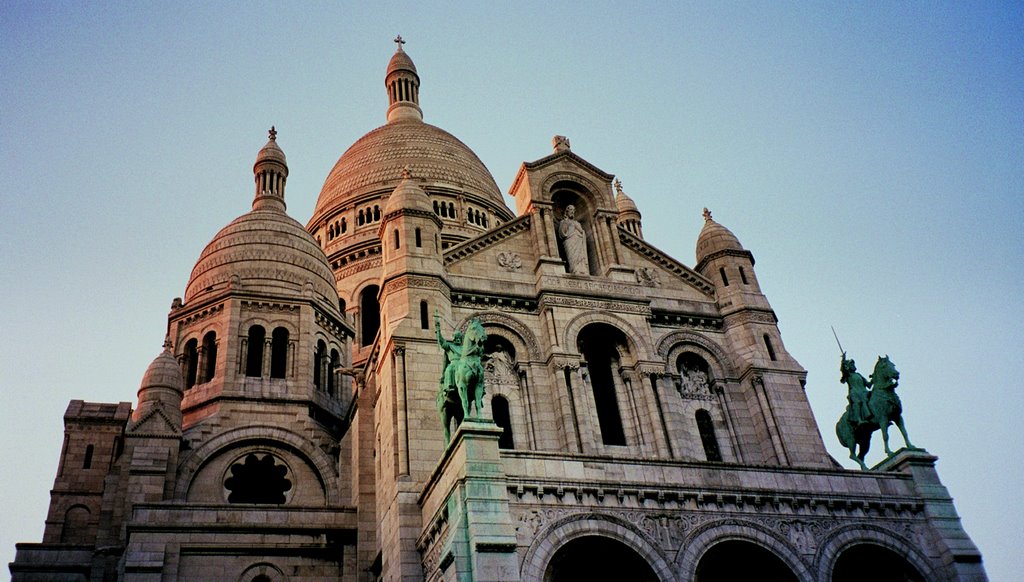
(372, 167)
(375, 163)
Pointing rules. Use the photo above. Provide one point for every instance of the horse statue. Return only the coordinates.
(462, 381)
(854, 428)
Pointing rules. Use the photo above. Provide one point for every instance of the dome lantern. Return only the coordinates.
(403, 86)
(270, 173)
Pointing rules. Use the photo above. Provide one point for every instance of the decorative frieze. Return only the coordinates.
(691, 320)
(504, 303)
(666, 262)
(489, 239)
(595, 304)
(751, 316)
(269, 306)
(510, 261)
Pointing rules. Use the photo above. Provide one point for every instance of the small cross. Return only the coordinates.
(707, 214)
(618, 185)
(273, 133)
(399, 41)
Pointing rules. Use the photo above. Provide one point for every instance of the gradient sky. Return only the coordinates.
(870, 156)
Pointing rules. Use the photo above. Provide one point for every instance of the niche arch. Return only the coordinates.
(702, 538)
(548, 540)
(640, 348)
(845, 537)
(259, 437)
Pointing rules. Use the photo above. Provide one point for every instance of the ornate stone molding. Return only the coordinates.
(595, 304)
(521, 330)
(751, 316)
(269, 306)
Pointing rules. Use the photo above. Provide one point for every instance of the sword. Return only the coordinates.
(837, 341)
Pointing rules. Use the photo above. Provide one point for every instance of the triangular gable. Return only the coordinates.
(660, 258)
(154, 423)
(474, 246)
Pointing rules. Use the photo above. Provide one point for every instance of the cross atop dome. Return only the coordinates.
(399, 41)
(707, 214)
(272, 133)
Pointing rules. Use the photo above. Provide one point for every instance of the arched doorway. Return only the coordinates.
(873, 562)
(604, 347)
(590, 558)
(733, 560)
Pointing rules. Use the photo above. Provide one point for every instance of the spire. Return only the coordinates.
(271, 172)
(403, 85)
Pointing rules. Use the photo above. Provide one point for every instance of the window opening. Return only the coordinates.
(743, 276)
(370, 313)
(706, 428)
(279, 353)
(768, 346)
(191, 362)
(424, 320)
(210, 355)
(502, 418)
(87, 463)
(602, 358)
(254, 359)
(419, 238)
(725, 280)
(258, 480)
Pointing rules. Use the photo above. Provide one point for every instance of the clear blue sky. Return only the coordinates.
(870, 156)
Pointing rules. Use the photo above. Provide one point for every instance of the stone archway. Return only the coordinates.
(731, 560)
(866, 561)
(595, 557)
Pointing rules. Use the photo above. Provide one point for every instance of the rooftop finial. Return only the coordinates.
(399, 41)
(167, 343)
(707, 214)
(272, 133)
(618, 185)
(406, 174)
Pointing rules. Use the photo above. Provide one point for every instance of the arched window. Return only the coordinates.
(318, 361)
(725, 279)
(444, 210)
(768, 346)
(254, 359)
(597, 343)
(330, 232)
(332, 374)
(257, 480)
(436, 209)
(210, 355)
(706, 428)
(76, 526)
(87, 463)
(419, 238)
(502, 418)
(376, 213)
(424, 319)
(344, 224)
(451, 209)
(361, 220)
(191, 362)
(398, 242)
(369, 311)
(279, 353)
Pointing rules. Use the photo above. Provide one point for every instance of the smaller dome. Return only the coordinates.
(271, 152)
(400, 61)
(164, 372)
(408, 195)
(714, 237)
(623, 202)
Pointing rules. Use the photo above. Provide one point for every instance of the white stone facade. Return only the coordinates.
(641, 416)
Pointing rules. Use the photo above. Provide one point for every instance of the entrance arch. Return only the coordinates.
(595, 557)
(867, 561)
(731, 560)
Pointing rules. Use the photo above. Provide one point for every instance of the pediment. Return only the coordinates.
(153, 423)
(666, 264)
(486, 242)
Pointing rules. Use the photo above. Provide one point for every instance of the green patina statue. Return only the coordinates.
(870, 410)
(462, 378)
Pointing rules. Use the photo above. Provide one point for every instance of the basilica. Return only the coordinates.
(641, 418)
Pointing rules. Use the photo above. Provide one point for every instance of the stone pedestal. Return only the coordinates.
(959, 554)
(468, 533)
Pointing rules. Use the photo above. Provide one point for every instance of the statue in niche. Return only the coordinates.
(574, 240)
(854, 430)
(462, 380)
(694, 380)
(500, 366)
